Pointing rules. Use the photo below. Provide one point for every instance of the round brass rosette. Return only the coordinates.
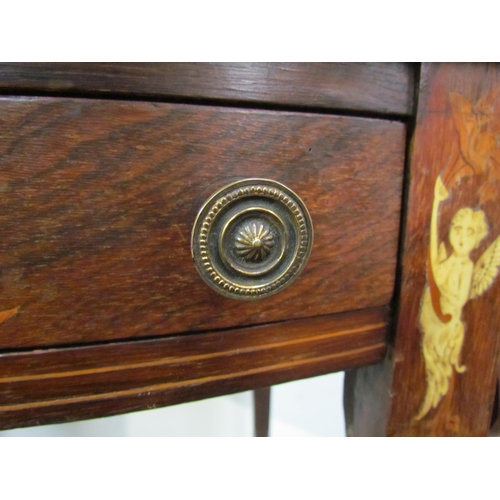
(251, 239)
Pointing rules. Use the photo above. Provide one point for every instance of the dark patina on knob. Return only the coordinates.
(251, 239)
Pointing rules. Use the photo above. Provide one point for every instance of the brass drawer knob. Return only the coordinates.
(251, 239)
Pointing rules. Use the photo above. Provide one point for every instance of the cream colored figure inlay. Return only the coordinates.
(452, 280)
(457, 279)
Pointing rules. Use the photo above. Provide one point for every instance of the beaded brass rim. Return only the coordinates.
(251, 239)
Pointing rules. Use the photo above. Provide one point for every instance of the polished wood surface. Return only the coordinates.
(66, 384)
(362, 87)
(99, 198)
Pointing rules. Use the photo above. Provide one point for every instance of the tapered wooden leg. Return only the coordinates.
(366, 399)
(261, 401)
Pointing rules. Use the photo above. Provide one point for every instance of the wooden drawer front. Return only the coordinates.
(99, 197)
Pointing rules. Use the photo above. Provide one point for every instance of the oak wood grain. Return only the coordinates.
(99, 198)
(66, 384)
(366, 87)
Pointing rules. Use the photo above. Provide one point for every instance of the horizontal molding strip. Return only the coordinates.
(198, 381)
(187, 359)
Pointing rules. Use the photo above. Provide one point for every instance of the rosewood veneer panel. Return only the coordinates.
(99, 197)
(442, 376)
